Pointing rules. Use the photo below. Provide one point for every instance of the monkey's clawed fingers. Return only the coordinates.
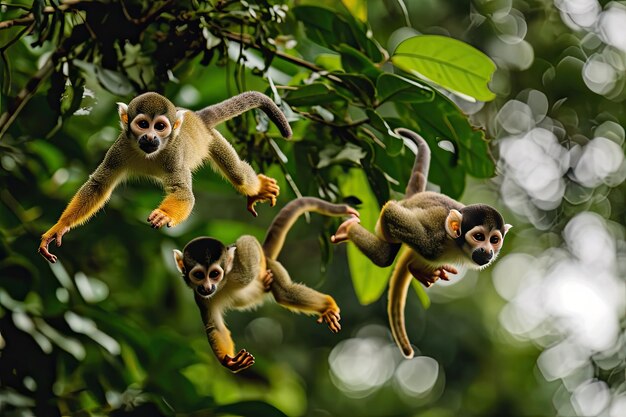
(159, 218)
(442, 272)
(341, 235)
(267, 279)
(56, 234)
(242, 360)
(268, 191)
(331, 317)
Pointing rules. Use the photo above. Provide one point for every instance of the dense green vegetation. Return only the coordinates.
(111, 328)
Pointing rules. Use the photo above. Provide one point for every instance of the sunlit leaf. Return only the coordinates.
(453, 64)
(368, 279)
(357, 8)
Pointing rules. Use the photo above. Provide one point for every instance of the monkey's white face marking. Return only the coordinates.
(482, 246)
(151, 134)
(204, 280)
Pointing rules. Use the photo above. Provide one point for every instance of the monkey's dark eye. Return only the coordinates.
(214, 274)
(143, 124)
(479, 236)
(198, 275)
(494, 240)
(159, 126)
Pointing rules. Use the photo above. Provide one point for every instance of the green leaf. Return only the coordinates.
(421, 293)
(393, 143)
(332, 154)
(330, 62)
(357, 8)
(368, 279)
(443, 120)
(327, 28)
(250, 409)
(359, 86)
(312, 94)
(401, 90)
(356, 62)
(453, 64)
(115, 82)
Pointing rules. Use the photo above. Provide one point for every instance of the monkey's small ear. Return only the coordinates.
(122, 110)
(229, 259)
(180, 115)
(453, 223)
(506, 228)
(178, 257)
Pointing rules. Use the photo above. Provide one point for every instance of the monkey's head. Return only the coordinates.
(204, 262)
(151, 120)
(479, 231)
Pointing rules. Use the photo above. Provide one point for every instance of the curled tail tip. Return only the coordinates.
(287, 132)
(407, 352)
(410, 134)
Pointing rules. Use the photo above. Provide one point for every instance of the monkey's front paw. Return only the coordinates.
(341, 235)
(55, 233)
(268, 190)
(331, 317)
(428, 278)
(158, 218)
(267, 280)
(242, 360)
(443, 272)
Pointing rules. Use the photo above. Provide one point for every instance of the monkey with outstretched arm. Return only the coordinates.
(238, 276)
(436, 235)
(167, 143)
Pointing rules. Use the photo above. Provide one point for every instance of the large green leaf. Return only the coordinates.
(448, 62)
(329, 29)
(443, 120)
(401, 90)
(368, 279)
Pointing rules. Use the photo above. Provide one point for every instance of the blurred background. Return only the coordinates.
(111, 328)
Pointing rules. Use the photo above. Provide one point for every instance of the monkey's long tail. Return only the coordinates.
(234, 106)
(283, 221)
(398, 289)
(419, 175)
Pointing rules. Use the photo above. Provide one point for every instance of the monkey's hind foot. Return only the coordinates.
(267, 280)
(331, 317)
(242, 360)
(268, 191)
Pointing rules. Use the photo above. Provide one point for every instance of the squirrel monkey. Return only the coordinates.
(435, 232)
(161, 141)
(237, 276)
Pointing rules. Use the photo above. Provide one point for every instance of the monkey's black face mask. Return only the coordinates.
(206, 291)
(149, 145)
(481, 256)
